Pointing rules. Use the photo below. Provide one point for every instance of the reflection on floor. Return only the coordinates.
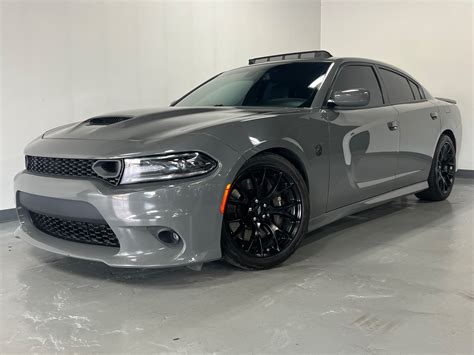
(398, 278)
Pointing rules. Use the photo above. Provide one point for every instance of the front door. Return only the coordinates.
(364, 142)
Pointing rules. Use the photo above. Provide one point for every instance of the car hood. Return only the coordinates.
(140, 125)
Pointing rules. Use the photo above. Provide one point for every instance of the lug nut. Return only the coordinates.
(256, 201)
(264, 205)
(255, 218)
(250, 209)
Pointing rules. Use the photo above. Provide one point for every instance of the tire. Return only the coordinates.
(266, 213)
(443, 167)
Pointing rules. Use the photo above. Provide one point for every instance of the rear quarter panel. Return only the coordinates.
(451, 121)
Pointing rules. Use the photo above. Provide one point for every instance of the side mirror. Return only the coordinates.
(350, 98)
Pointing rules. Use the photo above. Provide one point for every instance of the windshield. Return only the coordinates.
(281, 85)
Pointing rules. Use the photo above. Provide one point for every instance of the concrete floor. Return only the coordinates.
(398, 278)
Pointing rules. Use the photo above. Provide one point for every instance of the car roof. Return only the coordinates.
(335, 60)
(338, 60)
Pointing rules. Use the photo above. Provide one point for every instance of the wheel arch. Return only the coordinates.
(288, 149)
(450, 134)
(292, 158)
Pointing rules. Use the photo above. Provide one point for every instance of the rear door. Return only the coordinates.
(419, 127)
(363, 141)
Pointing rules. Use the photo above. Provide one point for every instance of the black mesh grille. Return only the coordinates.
(75, 231)
(66, 167)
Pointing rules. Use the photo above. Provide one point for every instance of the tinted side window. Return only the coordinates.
(399, 90)
(359, 77)
(416, 90)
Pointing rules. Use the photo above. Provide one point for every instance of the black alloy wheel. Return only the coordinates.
(442, 174)
(266, 213)
(446, 167)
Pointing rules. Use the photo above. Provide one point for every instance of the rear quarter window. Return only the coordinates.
(416, 90)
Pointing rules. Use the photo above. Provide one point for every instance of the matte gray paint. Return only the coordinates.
(363, 149)
(363, 163)
(58, 207)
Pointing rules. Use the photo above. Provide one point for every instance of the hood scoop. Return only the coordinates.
(105, 121)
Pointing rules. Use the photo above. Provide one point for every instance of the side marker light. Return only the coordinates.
(224, 198)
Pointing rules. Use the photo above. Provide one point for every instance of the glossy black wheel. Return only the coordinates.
(443, 168)
(446, 167)
(266, 213)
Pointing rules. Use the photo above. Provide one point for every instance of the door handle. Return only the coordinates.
(434, 115)
(393, 125)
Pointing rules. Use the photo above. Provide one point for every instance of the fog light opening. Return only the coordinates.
(168, 236)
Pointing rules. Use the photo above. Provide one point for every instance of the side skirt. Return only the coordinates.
(339, 213)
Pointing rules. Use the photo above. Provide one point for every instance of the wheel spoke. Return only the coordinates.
(237, 202)
(286, 188)
(234, 220)
(444, 183)
(450, 154)
(263, 177)
(251, 244)
(286, 215)
(272, 232)
(440, 181)
(442, 153)
(283, 210)
(252, 238)
(275, 187)
(255, 184)
(261, 245)
(284, 233)
(284, 207)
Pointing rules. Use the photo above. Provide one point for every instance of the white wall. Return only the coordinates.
(432, 40)
(64, 61)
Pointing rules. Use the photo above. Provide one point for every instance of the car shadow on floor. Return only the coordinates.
(368, 229)
(383, 225)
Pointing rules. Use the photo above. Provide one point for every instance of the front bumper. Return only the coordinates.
(190, 207)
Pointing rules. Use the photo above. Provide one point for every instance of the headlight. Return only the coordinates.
(166, 167)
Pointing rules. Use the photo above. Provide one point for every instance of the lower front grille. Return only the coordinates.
(75, 231)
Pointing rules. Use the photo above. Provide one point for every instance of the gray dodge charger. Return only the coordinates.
(241, 167)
